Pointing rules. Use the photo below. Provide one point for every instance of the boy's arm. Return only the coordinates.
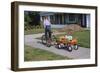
(44, 24)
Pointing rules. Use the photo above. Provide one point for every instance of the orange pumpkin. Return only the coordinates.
(74, 41)
(63, 40)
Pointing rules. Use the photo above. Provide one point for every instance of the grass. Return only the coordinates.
(34, 31)
(82, 36)
(35, 54)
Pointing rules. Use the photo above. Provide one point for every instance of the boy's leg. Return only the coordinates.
(46, 32)
(50, 34)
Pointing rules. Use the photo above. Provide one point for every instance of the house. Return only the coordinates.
(58, 19)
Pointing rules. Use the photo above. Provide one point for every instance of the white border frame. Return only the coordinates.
(34, 64)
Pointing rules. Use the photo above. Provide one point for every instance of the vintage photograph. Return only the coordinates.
(52, 36)
(56, 36)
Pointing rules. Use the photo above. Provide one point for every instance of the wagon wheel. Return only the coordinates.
(69, 48)
(76, 47)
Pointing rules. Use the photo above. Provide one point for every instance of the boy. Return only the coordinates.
(47, 26)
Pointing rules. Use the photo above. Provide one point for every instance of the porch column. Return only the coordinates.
(62, 18)
(87, 20)
(84, 20)
(41, 18)
(58, 18)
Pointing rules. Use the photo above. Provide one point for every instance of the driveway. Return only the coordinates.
(81, 53)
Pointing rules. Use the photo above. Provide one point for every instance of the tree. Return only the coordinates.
(32, 18)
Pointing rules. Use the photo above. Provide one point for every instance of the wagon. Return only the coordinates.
(69, 45)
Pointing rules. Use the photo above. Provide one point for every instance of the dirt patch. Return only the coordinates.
(71, 28)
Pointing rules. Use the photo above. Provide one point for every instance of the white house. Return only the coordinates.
(58, 19)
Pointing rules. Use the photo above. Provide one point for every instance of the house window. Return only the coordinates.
(71, 17)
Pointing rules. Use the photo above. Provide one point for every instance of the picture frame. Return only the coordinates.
(18, 35)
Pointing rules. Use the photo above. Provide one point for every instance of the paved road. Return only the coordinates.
(81, 53)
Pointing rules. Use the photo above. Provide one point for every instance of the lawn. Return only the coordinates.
(36, 31)
(82, 36)
(33, 31)
(35, 54)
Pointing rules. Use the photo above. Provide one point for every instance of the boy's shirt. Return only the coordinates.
(46, 23)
